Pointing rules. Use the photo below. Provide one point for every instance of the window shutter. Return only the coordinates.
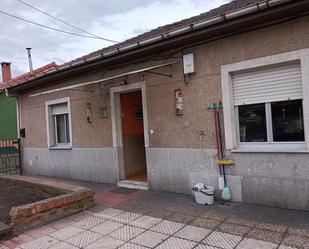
(59, 109)
(270, 84)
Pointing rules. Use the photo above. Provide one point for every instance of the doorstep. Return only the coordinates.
(133, 184)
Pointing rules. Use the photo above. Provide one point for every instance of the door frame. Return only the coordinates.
(117, 121)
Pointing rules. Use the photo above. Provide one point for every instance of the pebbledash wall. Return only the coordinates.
(174, 160)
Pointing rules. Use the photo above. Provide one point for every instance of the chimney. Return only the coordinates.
(6, 71)
(29, 59)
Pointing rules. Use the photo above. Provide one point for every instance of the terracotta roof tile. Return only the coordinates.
(27, 75)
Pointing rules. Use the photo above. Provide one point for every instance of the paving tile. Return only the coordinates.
(149, 239)
(63, 245)
(11, 243)
(167, 227)
(79, 216)
(296, 241)
(109, 213)
(105, 243)
(265, 235)
(3, 246)
(132, 246)
(286, 247)
(203, 246)
(41, 243)
(145, 222)
(96, 209)
(215, 215)
(227, 227)
(240, 221)
(222, 240)
(126, 217)
(89, 222)
(159, 213)
(61, 223)
(271, 227)
(176, 243)
(41, 231)
(182, 218)
(107, 227)
(127, 233)
(205, 223)
(66, 233)
(256, 244)
(22, 238)
(84, 238)
(193, 233)
(298, 231)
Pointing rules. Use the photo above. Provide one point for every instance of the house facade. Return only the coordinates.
(111, 116)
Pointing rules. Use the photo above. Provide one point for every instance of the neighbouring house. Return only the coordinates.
(8, 112)
(110, 116)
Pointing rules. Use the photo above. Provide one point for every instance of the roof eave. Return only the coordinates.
(211, 28)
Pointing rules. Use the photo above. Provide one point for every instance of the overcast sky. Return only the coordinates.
(113, 19)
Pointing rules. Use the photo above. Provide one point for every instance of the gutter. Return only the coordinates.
(164, 36)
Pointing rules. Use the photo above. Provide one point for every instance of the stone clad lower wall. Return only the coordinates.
(87, 164)
(178, 169)
(272, 179)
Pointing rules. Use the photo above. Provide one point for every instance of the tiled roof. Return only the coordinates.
(217, 12)
(223, 9)
(27, 75)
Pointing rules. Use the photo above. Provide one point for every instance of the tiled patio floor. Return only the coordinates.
(129, 219)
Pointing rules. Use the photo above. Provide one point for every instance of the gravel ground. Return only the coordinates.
(13, 194)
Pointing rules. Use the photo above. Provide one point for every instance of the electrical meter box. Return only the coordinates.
(188, 63)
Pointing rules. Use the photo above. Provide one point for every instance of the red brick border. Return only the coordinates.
(72, 199)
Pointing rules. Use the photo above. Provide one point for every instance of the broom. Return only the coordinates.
(226, 194)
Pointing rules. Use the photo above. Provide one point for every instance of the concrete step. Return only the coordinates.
(133, 184)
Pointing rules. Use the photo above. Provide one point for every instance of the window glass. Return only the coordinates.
(287, 118)
(62, 128)
(252, 123)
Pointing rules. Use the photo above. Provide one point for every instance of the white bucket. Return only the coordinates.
(204, 194)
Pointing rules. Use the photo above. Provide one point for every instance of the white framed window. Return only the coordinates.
(58, 120)
(271, 124)
(266, 103)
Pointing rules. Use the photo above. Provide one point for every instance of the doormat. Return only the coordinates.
(124, 191)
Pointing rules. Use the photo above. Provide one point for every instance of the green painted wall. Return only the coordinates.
(8, 118)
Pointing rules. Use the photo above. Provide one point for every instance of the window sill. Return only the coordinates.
(61, 147)
(270, 150)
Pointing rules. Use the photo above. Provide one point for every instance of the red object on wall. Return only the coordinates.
(6, 71)
(129, 101)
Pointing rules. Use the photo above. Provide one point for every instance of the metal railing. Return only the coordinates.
(10, 156)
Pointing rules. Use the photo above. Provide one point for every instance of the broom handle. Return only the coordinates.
(220, 142)
(217, 136)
